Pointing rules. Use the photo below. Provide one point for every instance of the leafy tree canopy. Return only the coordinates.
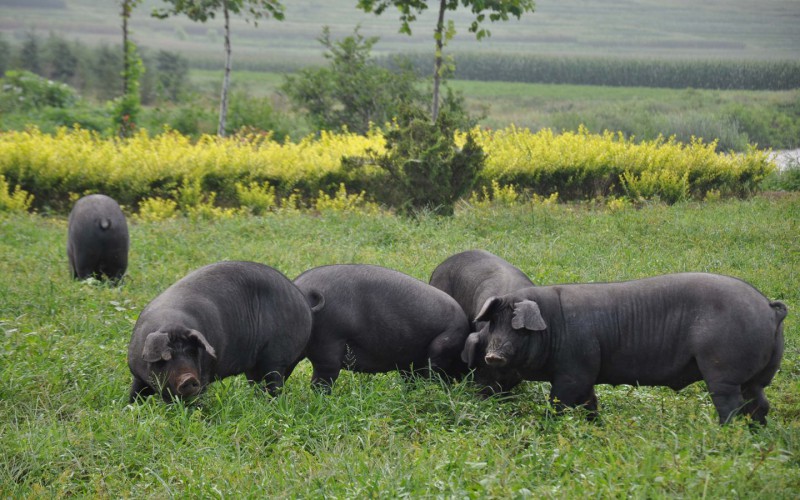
(203, 10)
(495, 10)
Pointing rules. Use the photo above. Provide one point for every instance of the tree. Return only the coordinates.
(203, 10)
(172, 75)
(5, 51)
(105, 76)
(353, 90)
(128, 49)
(29, 55)
(60, 61)
(425, 169)
(497, 10)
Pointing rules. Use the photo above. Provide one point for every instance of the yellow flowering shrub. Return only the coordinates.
(259, 174)
(343, 202)
(17, 201)
(257, 198)
(157, 209)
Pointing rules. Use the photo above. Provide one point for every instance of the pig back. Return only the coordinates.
(378, 308)
(240, 307)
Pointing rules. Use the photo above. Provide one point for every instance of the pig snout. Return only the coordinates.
(188, 385)
(495, 359)
(498, 352)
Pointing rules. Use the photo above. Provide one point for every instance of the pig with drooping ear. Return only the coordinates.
(220, 320)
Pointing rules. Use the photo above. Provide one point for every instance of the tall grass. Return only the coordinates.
(67, 430)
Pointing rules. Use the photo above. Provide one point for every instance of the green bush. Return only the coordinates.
(425, 168)
(26, 91)
(775, 126)
(787, 179)
(248, 115)
(352, 91)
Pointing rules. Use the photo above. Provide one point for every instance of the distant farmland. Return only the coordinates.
(674, 29)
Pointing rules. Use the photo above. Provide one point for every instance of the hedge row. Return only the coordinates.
(581, 165)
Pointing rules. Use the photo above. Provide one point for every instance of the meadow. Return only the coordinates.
(68, 430)
(736, 118)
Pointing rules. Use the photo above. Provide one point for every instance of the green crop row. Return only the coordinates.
(159, 174)
(616, 72)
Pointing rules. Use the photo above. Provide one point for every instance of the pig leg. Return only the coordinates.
(727, 398)
(139, 388)
(756, 404)
(326, 361)
(571, 392)
(271, 370)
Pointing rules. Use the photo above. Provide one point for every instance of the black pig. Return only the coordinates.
(220, 320)
(471, 277)
(97, 238)
(373, 319)
(668, 330)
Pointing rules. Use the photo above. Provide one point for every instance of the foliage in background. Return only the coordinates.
(786, 179)
(204, 10)
(425, 167)
(23, 91)
(352, 91)
(127, 108)
(578, 166)
(495, 10)
(96, 71)
(252, 115)
(619, 72)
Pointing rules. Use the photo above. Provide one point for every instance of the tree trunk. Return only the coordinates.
(437, 62)
(226, 81)
(126, 12)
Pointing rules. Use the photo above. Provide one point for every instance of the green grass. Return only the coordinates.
(67, 430)
(769, 119)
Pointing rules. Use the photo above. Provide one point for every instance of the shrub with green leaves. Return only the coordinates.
(26, 91)
(424, 167)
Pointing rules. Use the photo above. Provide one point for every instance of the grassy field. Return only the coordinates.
(67, 430)
(735, 117)
(736, 29)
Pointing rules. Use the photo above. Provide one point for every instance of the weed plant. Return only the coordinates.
(67, 429)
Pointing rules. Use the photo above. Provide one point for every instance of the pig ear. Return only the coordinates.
(527, 315)
(470, 348)
(490, 304)
(316, 300)
(194, 334)
(156, 347)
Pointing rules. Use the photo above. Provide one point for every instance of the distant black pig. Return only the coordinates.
(97, 238)
(471, 277)
(373, 319)
(668, 330)
(220, 320)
